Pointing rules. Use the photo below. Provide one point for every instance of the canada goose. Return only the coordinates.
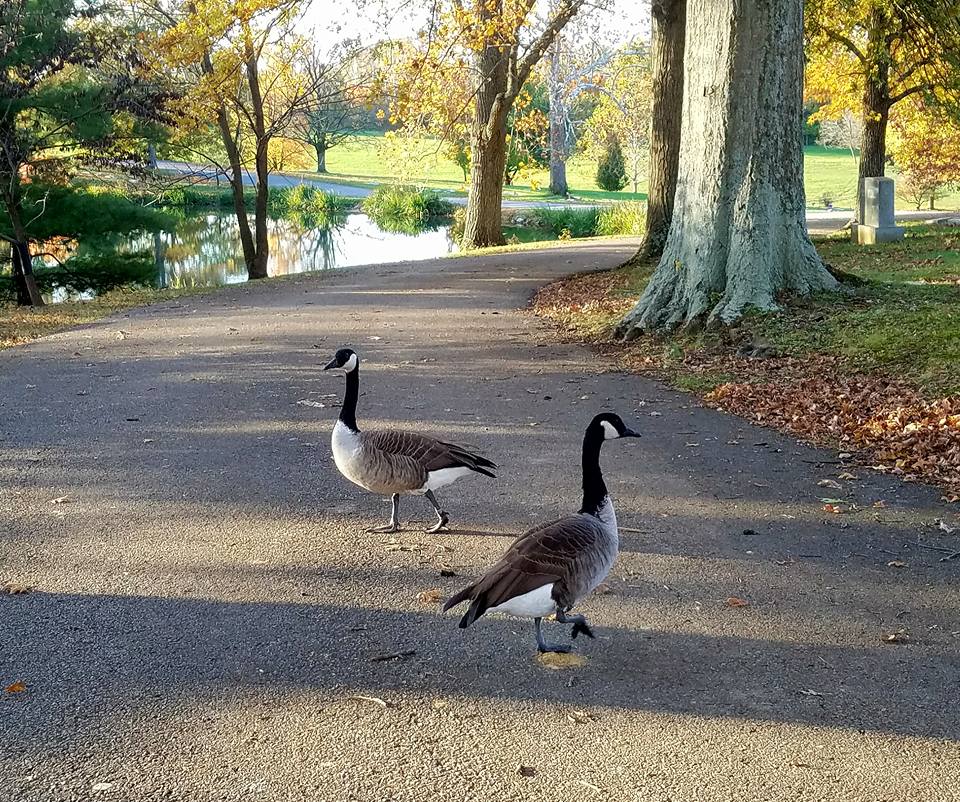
(394, 462)
(548, 569)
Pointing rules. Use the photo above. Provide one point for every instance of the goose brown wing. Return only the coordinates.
(431, 454)
(549, 554)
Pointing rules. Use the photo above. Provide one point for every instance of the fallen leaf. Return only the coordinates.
(16, 687)
(829, 483)
(580, 717)
(896, 564)
(880, 504)
(736, 601)
(833, 508)
(846, 475)
(431, 596)
(15, 588)
(526, 771)
(61, 500)
(900, 636)
(102, 786)
(808, 692)
(943, 527)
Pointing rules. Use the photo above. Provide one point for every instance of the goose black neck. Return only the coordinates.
(348, 412)
(594, 489)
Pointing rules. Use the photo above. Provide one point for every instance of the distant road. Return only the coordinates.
(819, 221)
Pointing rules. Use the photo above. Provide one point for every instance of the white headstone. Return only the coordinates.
(877, 222)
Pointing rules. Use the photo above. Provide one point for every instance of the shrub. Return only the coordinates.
(576, 222)
(309, 206)
(405, 209)
(622, 218)
(200, 197)
(611, 173)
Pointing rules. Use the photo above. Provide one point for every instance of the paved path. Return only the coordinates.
(209, 609)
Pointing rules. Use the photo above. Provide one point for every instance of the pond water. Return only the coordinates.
(205, 250)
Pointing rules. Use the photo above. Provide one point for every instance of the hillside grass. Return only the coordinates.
(829, 174)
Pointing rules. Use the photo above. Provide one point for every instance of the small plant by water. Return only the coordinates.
(405, 209)
(577, 222)
(622, 219)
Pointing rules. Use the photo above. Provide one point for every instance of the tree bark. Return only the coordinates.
(28, 293)
(558, 133)
(321, 148)
(876, 103)
(738, 236)
(258, 268)
(488, 142)
(666, 61)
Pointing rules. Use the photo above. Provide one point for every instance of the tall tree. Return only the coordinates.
(738, 237)
(333, 114)
(669, 19)
(622, 111)
(499, 42)
(865, 56)
(71, 93)
(925, 145)
(235, 61)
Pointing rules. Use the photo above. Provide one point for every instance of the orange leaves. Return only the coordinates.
(909, 437)
(736, 601)
(17, 687)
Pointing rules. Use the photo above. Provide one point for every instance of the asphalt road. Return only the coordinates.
(209, 612)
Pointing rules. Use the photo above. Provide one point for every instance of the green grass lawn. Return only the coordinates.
(830, 174)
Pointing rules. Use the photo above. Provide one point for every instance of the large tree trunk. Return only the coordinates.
(488, 144)
(558, 133)
(258, 268)
(738, 235)
(28, 293)
(876, 102)
(321, 148)
(666, 60)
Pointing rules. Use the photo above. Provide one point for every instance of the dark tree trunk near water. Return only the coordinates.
(738, 237)
(666, 63)
(501, 73)
(321, 148)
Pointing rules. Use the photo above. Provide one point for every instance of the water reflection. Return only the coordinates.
(206, 250)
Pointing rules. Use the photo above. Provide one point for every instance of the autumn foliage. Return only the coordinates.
(925, 145)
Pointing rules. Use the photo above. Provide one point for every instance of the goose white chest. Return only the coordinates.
(347, 451)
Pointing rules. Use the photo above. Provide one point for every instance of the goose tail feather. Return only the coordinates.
(475, 610)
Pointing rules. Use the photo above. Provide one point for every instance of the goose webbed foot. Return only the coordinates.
(580, 624)
(442, 518)
(544, 646)
(394, 525)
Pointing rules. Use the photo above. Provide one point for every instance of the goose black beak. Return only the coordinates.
(331, 364)
(630, 433)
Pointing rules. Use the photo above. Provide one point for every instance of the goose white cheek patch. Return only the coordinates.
(609, 432)
(351, 363)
